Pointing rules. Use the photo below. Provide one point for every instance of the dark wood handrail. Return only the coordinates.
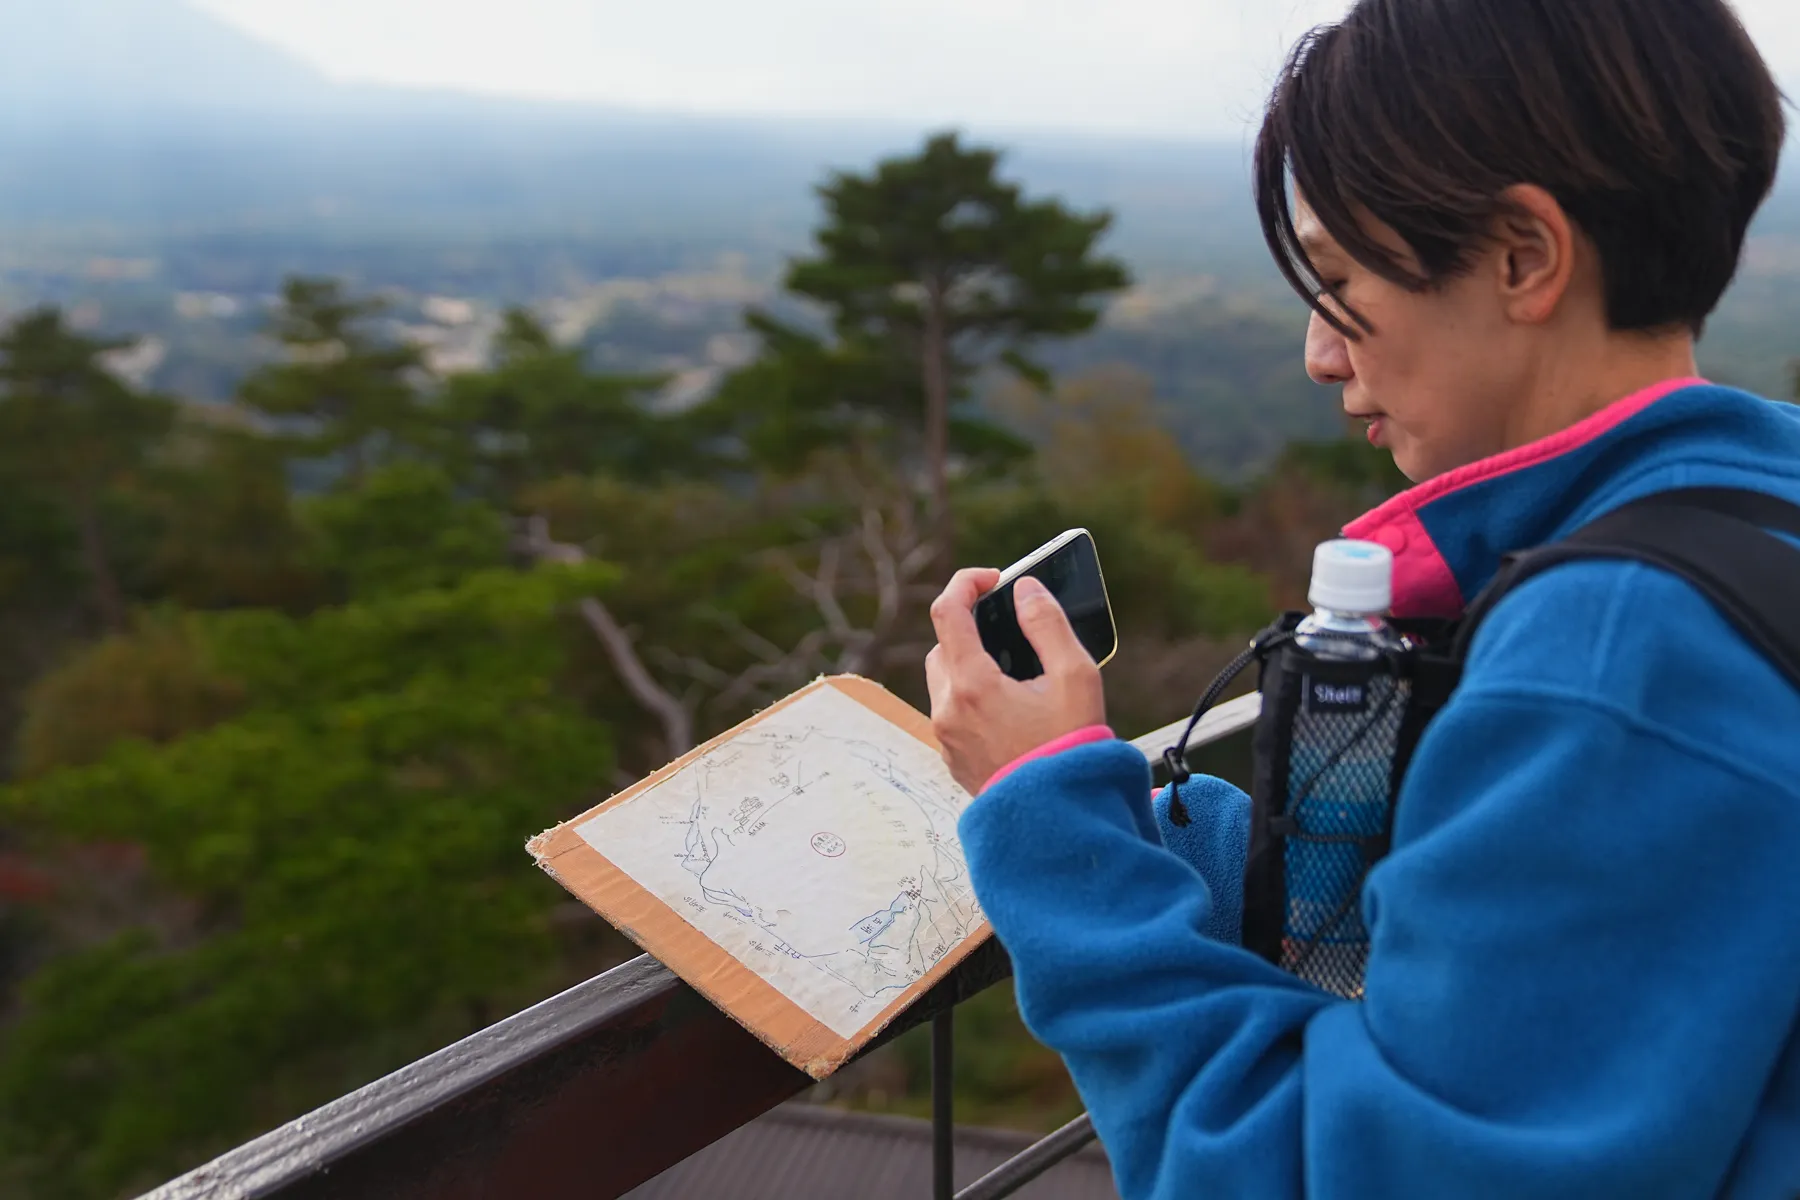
(583, 1097)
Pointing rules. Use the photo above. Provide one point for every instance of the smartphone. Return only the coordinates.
(1069, 566)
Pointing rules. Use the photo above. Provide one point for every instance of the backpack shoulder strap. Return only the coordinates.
(1717, 539)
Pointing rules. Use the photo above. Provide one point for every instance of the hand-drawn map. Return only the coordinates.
(817, 846)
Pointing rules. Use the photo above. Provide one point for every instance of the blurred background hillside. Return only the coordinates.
(405, 441)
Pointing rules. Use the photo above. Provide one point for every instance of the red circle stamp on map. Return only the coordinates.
(828, 844)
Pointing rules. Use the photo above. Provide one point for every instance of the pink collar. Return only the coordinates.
(1424, 585)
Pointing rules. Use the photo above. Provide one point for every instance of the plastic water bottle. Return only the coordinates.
(1340, 756)
(1352, 588)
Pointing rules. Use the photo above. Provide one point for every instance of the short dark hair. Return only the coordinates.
(1654, 123)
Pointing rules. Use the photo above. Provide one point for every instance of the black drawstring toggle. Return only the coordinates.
(1175, 757)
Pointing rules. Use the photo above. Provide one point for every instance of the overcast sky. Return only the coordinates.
(1189, 68)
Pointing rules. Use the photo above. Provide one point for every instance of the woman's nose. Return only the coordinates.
(1327, 353)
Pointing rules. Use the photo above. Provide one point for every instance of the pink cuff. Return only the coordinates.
(1068, 741)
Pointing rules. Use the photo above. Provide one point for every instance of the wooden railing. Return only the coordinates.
(592, 1092)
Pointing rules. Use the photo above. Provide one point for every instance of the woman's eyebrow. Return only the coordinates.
(1312, 236)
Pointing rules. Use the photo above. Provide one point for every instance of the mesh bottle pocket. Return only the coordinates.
(1327, 749)
(1335, 823)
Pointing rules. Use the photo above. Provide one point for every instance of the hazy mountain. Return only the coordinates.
(139, 59)
(142, 117)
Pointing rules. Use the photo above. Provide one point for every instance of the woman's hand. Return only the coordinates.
(983, 718)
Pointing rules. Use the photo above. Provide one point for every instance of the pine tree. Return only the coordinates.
(541, 413)
(342, 390)
(941, 265)
(73, 432)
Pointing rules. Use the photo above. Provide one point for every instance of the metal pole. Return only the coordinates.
(943, 1119)
(1026, 1166)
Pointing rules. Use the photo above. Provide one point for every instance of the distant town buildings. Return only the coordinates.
(206, 306)
(449, 310)
(685, 328)
(136, 363)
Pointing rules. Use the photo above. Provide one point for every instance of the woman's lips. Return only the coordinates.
(1373, 426)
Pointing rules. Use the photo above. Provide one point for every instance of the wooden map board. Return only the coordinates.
(871, 766)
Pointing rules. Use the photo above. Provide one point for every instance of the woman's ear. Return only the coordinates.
(1536, 246)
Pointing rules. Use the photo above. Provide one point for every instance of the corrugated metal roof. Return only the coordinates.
(808, 1152)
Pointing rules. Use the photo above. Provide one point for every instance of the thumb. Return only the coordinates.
(1046, 626)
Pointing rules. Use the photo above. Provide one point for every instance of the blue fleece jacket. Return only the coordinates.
(1584, 972)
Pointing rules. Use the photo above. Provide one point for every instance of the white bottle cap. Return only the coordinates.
(1352, 577)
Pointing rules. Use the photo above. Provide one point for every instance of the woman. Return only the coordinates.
(1512, 219)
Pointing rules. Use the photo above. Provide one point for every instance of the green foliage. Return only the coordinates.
(695, 588)
(39, 563)
(73, 433)
(1103, 463)
(1307, 496)
(541, 413)
(157, 683)
(1348, 463)
(937, 239)
(929, 268)
(1229, 371)
(802, 396)
(1101, 434)
(343, 389)
(226, 532)
(498, 624)
(351, 844)
(404, 530)
(68, 424)
(41, 589)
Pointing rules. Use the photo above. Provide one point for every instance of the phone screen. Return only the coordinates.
(1071, 572)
